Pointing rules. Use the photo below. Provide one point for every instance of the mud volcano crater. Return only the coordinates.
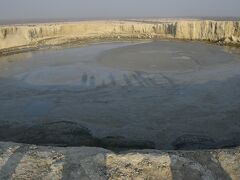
(162, 95)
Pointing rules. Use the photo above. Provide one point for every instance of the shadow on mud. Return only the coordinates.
(71, 134)
(66, 133)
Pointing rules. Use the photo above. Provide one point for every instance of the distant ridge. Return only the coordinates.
(51, 20)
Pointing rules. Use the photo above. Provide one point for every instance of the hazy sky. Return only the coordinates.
(42, 9)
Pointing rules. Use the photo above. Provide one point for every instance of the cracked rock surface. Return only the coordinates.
(19, 161)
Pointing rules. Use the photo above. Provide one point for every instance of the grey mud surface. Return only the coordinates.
(163, 95)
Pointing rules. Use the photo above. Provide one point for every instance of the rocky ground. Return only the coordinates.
(22, 161)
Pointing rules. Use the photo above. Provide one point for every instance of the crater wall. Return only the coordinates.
(35, 35)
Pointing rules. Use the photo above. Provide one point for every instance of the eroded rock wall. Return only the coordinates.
(209, 30)
(14, 36)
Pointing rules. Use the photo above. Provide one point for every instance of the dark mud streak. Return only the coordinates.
(143, 79)
(67, 133)
(96, 166)
(84, 79)
(69, 169)
(92, 81)
(151, 80)
(192, 141)
(207, 161)
(112, 80)
(198, 64)
(127, 80)
(10, 166)
(137, 79)
(169, 80)
(58, 122)
(103, 84)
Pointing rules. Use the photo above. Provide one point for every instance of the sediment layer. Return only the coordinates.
(15, 37)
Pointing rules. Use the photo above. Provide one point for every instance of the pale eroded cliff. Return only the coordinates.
(34, 35)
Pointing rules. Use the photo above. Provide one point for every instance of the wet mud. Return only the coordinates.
(162, 95)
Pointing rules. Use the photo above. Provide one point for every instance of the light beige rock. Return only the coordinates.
(34, 35)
